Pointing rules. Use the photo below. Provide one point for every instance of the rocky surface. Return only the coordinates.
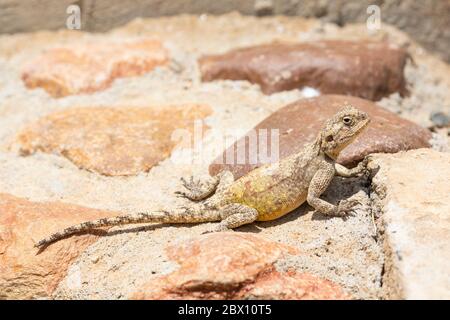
(412, 193)
(369, 70)
(91, 67)
(299, 123)
(26, 273)
(234, 265)
(112, 141)
(424, 21)
(346, 252)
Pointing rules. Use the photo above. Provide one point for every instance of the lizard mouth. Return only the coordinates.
(363, 125)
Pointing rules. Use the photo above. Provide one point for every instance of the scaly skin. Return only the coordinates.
(265, 193)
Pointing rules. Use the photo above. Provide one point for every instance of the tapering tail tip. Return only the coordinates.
(40, 244)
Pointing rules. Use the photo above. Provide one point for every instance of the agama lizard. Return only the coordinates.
(265, 193)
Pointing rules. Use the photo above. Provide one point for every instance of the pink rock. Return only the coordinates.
(87, 68)
(26, 273)
(234, 265)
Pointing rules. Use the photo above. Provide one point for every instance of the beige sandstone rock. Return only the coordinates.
(111, 141)
(234, 265)
(91, 67)
(411, 191)
(26, 272)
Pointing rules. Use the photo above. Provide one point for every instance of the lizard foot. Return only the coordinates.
(368, 167)
(217, 228)
(191, 184)
(362, 167)
(196, 189)
(347, 207)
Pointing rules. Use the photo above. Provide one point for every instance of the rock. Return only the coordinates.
(26, 273)
(111, 141)
(440, 119)
(234, 265)
(300, 122)
(86, 68)
(370, 70)
(263, 7)
(411, 192)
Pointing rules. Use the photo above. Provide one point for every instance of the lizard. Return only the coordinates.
(265, 193)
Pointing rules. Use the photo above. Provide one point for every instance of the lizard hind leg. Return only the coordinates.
(226, 179)
(235, 215)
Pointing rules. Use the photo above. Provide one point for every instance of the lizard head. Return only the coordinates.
(342, 129)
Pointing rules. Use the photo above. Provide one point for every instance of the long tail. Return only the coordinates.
(182, 215)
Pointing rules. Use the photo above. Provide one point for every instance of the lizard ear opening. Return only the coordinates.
(329, 138)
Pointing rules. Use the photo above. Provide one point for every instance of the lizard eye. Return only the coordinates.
(347, 120)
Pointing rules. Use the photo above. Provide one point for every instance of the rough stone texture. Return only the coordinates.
(346, 252)
(299, 123)
(91, 67)
(426, 21)
(369, 70)
(411, 193)
(26, 273)
(234, 266)
(111, 141)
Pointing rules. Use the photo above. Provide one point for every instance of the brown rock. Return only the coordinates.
(111, 141)
(25, 272)
(91, 67)
(301, 121)
(234, 265)
(370, 70)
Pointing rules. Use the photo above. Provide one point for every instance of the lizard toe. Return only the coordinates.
(217, 228)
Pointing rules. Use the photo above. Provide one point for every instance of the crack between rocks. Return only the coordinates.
(389, 280)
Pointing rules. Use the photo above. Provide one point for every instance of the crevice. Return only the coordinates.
(379, 236)
(389, 285)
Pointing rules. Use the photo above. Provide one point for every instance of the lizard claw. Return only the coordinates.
(217, 228)
(180, 194)
(191, 184)
(347, 207)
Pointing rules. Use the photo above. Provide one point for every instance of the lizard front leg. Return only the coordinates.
(235, 215)
(359, 169)
(318, 185)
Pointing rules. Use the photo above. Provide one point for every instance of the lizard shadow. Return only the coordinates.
(291, 216)
(340, 188)
(110, 233)
(147, 228)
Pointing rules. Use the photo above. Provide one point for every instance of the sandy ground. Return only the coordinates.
(345, 251)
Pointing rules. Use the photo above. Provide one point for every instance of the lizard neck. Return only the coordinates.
(310, 152)
(321, 148)
(317, 145)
